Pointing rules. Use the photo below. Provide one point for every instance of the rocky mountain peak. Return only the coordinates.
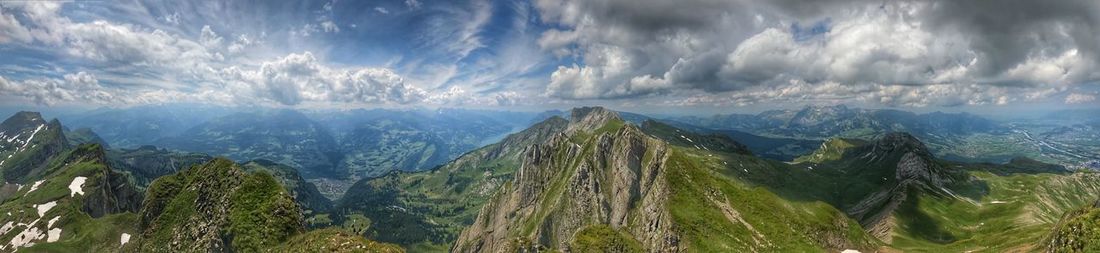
(590, 118)
(21, 122)
(901, 142)
(24, 118)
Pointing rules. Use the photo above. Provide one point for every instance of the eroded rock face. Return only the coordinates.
(564, 185)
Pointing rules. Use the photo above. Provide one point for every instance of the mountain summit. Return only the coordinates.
(609, 186)
(590, 118)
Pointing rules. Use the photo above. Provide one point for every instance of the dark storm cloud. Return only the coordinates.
(1008, 32)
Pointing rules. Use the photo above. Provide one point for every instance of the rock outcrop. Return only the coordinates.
(566, 184)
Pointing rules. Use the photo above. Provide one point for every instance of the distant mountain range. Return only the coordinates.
(358, 143)
(821, 122)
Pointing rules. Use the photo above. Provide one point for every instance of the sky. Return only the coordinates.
(655, 55)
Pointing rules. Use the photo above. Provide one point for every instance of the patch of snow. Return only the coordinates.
(850, 251)
(50, 223)
(53, 235)
(998, 202)
(35, 186)
(43, 208)
(26, 238)
(124, 239)
(32, 135)
(76, 187)
(6, 228)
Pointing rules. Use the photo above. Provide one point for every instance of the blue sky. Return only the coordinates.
(644, 54)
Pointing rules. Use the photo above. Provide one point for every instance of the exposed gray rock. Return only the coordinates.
(562, 186)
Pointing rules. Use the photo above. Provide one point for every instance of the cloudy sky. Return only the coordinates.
(551, 53)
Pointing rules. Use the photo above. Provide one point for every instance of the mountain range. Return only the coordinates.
(586, 180)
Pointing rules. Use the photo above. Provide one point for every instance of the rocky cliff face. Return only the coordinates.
(109, 191)
(567, 184)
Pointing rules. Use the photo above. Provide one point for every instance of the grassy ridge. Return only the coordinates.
(754, 219)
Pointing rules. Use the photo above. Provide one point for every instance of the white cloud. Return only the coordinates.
(1078, 98)
(412, 4)
(299, 78)
(382, 10)
(173, 18)
(208, 38)
(329, 26)
(240, 44)
(456, 96)
(47, 91)
(11, 30)
(910, 53)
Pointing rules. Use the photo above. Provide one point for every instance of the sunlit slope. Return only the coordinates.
(612, 178)
(914, 202)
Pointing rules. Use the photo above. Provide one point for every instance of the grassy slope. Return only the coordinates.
(334, 240)
(1015, 212)
(1079, 231)
(777, 224)
(80, 232)
(603, 238)
(1001, 207)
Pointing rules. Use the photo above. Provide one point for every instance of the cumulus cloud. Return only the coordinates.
(1078, 98)
(291, 80)
(802, 92)
(298, 78)
(103, 41)
(48, 91)
(208, 38)
(911, 50)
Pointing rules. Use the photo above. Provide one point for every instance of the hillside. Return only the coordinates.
(1078, 231)
(250, 211)
(304, 193)
(426, 210)
(629, 188)
(27, 142)
(78, 204)
(913, 201)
